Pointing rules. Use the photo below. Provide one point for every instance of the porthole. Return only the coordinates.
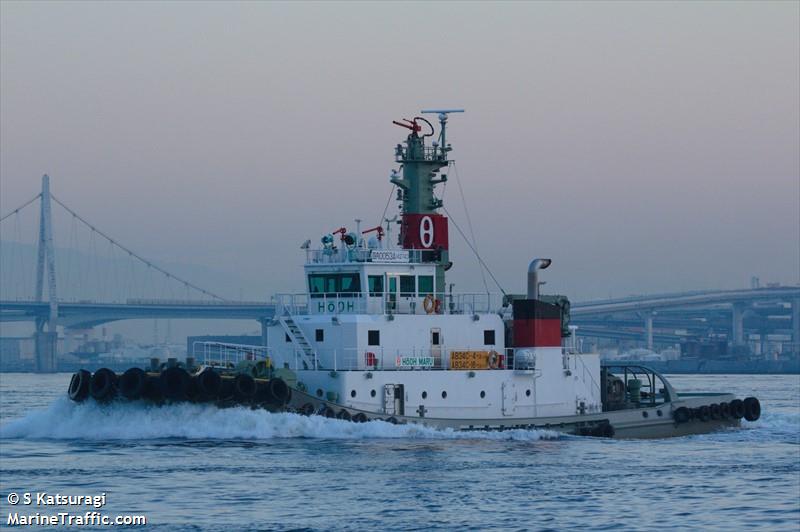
(372, 393)
(527, 393)
(645, 414)
(319, 392)
(352, 393)
(444, 395)
(424, 395)
(660, 413)
(483, 394)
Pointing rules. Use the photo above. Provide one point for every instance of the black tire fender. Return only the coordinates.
(278, 391)
(737, 409)
(79, 386)
(752, 409)
(681, 415)
(174, 383)
(244, 388)
(209, 384)
(103, 386)
(131, 383)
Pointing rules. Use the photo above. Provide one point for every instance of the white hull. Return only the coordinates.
(646, 422)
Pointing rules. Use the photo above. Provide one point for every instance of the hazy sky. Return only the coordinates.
(645, 147)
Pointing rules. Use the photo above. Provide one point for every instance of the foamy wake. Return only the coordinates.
(64, 419)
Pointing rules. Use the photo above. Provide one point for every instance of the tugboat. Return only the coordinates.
(379, 335)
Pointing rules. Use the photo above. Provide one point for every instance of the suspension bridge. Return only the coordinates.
(98, 280)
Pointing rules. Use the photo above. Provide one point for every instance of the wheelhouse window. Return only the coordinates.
(375, 283)
(334, 285)
(425, 284)
(350, 283)
(407, 286)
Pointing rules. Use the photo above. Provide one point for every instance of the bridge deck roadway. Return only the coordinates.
(683, 300)
(76, 315)
(89, 314)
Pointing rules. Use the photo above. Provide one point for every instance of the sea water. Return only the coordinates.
(197, 467)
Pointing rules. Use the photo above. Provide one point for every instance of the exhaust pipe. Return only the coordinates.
(533, 276)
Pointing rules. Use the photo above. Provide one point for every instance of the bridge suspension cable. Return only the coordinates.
(133, 254)
(16, 211)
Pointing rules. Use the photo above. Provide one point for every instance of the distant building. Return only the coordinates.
(17, 353)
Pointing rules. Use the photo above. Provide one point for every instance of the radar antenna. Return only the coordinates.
(443, 122)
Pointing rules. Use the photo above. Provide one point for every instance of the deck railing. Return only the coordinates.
(227, 355)
(387, 303)
(409, 359)
(359, 254)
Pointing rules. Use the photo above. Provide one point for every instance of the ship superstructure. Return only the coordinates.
(378, 329)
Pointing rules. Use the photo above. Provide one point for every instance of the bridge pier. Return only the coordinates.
(737, 325)
(648, 329)
(46, 348)
(796, 326)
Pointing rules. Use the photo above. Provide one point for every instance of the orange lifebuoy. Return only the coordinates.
(494, 360)
(430, 304)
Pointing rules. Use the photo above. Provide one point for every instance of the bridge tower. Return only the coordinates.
(46, 341)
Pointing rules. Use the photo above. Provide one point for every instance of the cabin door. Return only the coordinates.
(394, 399)
(436, 346)
(509, 398)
